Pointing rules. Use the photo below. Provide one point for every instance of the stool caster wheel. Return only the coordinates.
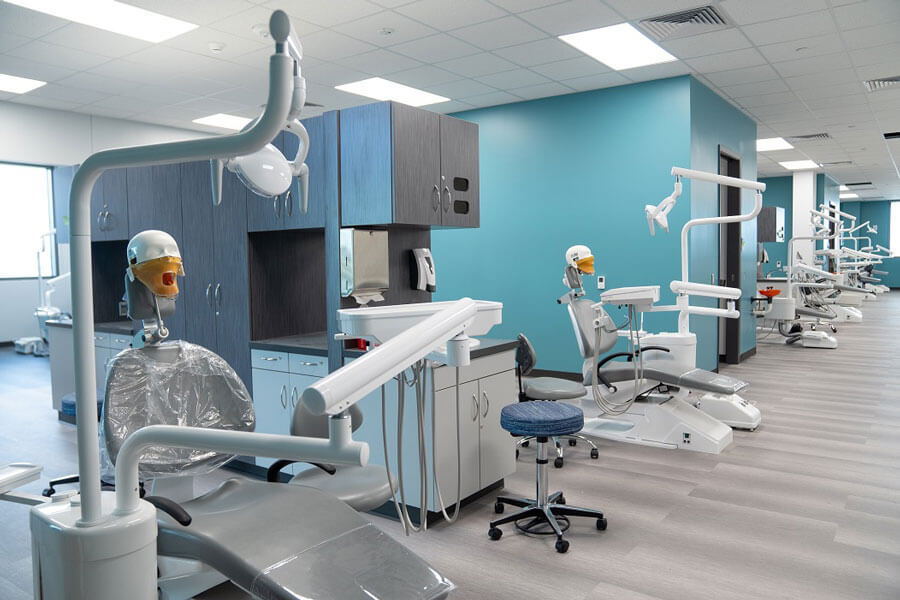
(558, 462)
(833, 329)
(561, 500)
(595, 454)
(601, 523)
(498, 507)
(525, 444)
(517, 453)
(572, 442)
(562, 546)
(48, 492)
(495, 533)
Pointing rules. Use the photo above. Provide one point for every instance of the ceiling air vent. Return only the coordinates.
(837, 163)
(811, 137)
(685, 23)
(873, 85)
(859, 184)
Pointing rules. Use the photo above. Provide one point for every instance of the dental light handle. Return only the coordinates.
(747, 184)
(299, 168)
(822, 215)
(839, 213)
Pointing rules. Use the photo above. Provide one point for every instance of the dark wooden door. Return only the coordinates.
(417, 166)
(459, 172)
(196, 295)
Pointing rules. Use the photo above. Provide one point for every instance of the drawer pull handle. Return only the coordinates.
(283, 396)
(306, 363)
(487, 404)
(294, 396)
(474, 407)
(271, 358)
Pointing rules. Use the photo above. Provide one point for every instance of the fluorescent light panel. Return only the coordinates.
(843, 188)
(770, 144)
(799, 165)
(619, 47)
(224, 121)
(18, 85)
(848, 195)
(110, 15)
(382, 89)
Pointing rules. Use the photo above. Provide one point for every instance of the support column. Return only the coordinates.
(804, 200)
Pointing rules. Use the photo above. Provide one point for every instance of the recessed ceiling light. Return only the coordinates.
(224, 121)
(18, 85)
(769, 144)
(848, 195)
(382, 89)
(799, 165)
(843, 188)
(114, 16)
(619, 47)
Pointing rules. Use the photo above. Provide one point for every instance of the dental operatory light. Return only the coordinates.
(770, 144)
(799, 165)
(113, 16)
(224, 121)
(18, 85)
(619, 47)
(658, 214)
(383, 89)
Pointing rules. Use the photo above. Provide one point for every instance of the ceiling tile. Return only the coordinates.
(792, 28)
(571, 68)
(876, 55)
(642, 9)
(499, 33)
(705, 44)
(91, 81)
(766, 99)
(136, 72)
(43, 102)
(798, 49)
(379, 62)
(770, 86)
(13, 65)
(814, 64)
(542, 90)
(331, 74)
(163, 95)
(194, 85)
(889, 69)
(73, 95)
(512, 79)
(662, 71)
(492, 99)
(726, 61)
(538, 52)
(444, 16)
(199, 12)
(830, 91)
(326, 14)
(247, 96)
(572, 16)
(595, 82)
(242, 24)
(27, 23)
(436, 48)
(866, 37)
(743, 76)
(109, 113)
(330, 45)
(68, 58)
(474, 65)
(424, 76)
(232, 46)
(391, 3)
(8, 41)
(744, 12)
(91, 39)
(369, 29)
(866, 14)
(461, 89)
(126, 103)
(450, 107)
(824, 78)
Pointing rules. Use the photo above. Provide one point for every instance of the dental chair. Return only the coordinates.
(547, 388)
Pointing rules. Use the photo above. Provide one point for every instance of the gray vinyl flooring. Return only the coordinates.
(807, 506)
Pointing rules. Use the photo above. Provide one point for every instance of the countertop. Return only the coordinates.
(316, 344)
(119, 327)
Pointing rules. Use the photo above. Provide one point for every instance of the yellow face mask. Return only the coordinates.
(160, 275)
(585, 265)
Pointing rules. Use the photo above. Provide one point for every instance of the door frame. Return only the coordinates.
(729, 348)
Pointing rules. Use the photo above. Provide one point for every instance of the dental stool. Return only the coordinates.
(542, 420)
(546, 388)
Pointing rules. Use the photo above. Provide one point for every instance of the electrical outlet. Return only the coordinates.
(778, 263)
(601, 282)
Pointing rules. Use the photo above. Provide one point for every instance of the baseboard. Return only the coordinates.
(747, 354)
(559, 374)
(10, 343)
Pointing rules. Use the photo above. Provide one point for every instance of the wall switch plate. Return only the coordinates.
(778, 263)
(601, 282)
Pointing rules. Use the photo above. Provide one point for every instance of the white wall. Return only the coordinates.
(51, 137)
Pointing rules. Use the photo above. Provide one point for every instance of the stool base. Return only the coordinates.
(554, 513)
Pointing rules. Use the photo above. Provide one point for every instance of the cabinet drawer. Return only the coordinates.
(118, 341)
(269, 360)
(304, 364)
(445, 376)
(101, 339)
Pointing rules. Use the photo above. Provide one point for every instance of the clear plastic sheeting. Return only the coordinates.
(174, 383)
(359, 564)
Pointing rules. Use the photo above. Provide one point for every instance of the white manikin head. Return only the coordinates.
(154, 260)
(580, 258)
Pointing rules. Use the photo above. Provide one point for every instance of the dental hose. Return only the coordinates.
(607, 405)
(402, 382)
(437, 485)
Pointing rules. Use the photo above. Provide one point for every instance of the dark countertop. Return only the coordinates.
(119, 327)
(316, 344)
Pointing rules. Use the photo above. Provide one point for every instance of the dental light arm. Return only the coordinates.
(245, 142)
(659, 213)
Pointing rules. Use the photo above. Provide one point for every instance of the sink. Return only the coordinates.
(380, 323)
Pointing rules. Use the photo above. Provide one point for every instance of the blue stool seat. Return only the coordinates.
(541, 418)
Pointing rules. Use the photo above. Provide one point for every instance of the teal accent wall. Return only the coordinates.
(715, 123)
(827, 191)
(573, 169)
(779, 192)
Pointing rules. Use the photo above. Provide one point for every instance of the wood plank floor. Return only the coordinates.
(807, 506)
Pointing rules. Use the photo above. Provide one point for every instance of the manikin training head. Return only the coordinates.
(580, 258)
(154, 260)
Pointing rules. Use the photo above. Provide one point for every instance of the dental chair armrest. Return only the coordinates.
(647, 348)
(171, 508)
(628, 355)
(278, 465)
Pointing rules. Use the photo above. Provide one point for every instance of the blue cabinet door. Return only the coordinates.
(111, 217)
(271, 395)
(294, 218)
(266, 214)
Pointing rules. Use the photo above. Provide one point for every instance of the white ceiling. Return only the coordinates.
(795, 66)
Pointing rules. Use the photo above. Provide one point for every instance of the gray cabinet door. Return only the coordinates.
(314, 217)
(231, 294)
(417, 166)
(98, 233)
(266, 214)
(114, 221)
(196, 293)
(459, 172)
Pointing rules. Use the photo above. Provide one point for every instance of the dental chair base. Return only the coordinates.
(730, 409)
(814, 339)
(846, 314)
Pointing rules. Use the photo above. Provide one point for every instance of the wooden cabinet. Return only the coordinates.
(109, 207)
(406, 165)
(284, 212)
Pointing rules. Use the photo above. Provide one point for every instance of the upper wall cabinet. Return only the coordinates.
(109, 207)
(406, 165)
(285, 212)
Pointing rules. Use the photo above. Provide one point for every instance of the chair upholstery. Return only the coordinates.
(553, 388)
(541, 418)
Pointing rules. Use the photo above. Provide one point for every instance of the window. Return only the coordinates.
(26, 214)
(895, 228)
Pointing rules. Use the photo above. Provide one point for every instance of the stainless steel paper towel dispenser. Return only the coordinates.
(364, 264)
